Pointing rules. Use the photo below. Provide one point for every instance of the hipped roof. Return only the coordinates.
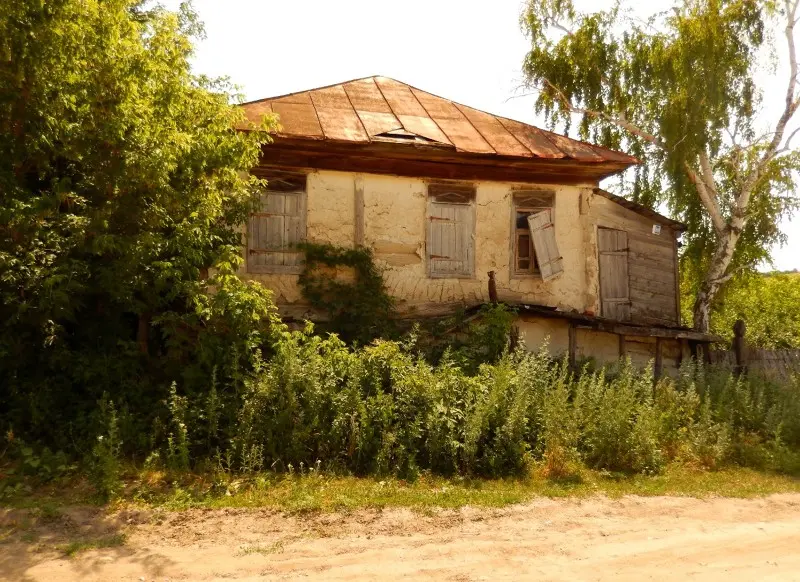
(379, 109)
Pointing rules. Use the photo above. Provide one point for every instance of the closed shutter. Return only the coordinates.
(544, 242)
(274, 232)
(450, 242)
(614, 283)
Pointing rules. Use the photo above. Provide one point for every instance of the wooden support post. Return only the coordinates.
(659, 365)
(621, 346)
(705, 349)
(739, 347)
(513, 340)
(573, 344)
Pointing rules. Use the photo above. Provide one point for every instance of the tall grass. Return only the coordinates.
(384, 410)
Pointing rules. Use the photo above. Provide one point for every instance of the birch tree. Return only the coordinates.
(681, 91)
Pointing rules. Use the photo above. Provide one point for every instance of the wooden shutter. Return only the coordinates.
(274, 231)
(614, 283)
(544, 242)
(450, 243)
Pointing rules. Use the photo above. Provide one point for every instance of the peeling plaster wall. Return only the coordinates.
(535, 331)
(600, 345)
(330, 219)
(393, 224)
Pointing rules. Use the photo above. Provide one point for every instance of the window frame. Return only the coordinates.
(523, 200)
(461, 195)
(283, 183)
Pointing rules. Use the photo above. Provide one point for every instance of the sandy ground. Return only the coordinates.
(635, 538)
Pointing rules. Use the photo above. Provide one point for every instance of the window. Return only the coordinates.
(526, 203)
(280, 223)
(451, 220)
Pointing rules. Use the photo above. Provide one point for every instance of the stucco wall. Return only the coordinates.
(534, 332)
(394, 226)
(602, 346)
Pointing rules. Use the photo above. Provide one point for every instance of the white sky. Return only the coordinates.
(470, 52)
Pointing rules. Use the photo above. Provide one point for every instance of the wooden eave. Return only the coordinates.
(431, 161)
(641, 209)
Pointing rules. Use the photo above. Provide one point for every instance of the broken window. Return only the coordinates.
(279, 224)
(527, 203)
(450, 242)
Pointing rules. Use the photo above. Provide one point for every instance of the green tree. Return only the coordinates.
(680, 91)
(768, 305)
(122, 186)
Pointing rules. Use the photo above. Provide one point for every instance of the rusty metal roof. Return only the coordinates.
(379, 109)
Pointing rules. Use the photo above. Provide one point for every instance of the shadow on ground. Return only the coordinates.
(53, 538)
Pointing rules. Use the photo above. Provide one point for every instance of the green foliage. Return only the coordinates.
(384, 410)
(768, 305)
(178, 439)
(671, 88)
(104, 464)
(123, 185)
(347, 286)
(487, 337)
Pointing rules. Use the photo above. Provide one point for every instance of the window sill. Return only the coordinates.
(430, 276)
(526, 276)
(274, 271)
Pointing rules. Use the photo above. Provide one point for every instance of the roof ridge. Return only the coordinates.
(272, 98)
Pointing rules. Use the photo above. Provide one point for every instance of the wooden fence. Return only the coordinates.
(769, 363)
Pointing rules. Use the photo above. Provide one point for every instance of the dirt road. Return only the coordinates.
(634, 538)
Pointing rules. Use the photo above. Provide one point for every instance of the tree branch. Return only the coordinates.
(619, 120)
(790, 108)
(708, 200)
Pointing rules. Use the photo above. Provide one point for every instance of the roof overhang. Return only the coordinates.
(641, 209)
(432, 161)
(392, 126)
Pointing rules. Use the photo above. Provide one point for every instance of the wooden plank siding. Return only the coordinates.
(652, 279)
(652, 263)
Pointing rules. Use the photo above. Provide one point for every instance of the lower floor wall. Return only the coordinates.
(600, 346)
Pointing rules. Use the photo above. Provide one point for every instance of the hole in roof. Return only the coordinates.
(401, 134)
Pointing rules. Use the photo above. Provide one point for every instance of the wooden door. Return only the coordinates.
(615, 293)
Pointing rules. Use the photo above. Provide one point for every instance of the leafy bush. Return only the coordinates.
(383, 409)
(104, 464)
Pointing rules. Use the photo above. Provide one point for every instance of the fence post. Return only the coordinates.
(739, 347)
(658, 370)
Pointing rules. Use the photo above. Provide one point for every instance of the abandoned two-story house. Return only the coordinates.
(444, 194)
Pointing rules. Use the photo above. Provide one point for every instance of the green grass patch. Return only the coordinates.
(321, 492)
(275, 548)
(76, 547)
(314, 492)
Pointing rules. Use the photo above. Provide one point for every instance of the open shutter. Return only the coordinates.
(450, 252)
(544, 242)
(615, 296)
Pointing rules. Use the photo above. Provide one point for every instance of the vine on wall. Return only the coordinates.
(360, 309)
